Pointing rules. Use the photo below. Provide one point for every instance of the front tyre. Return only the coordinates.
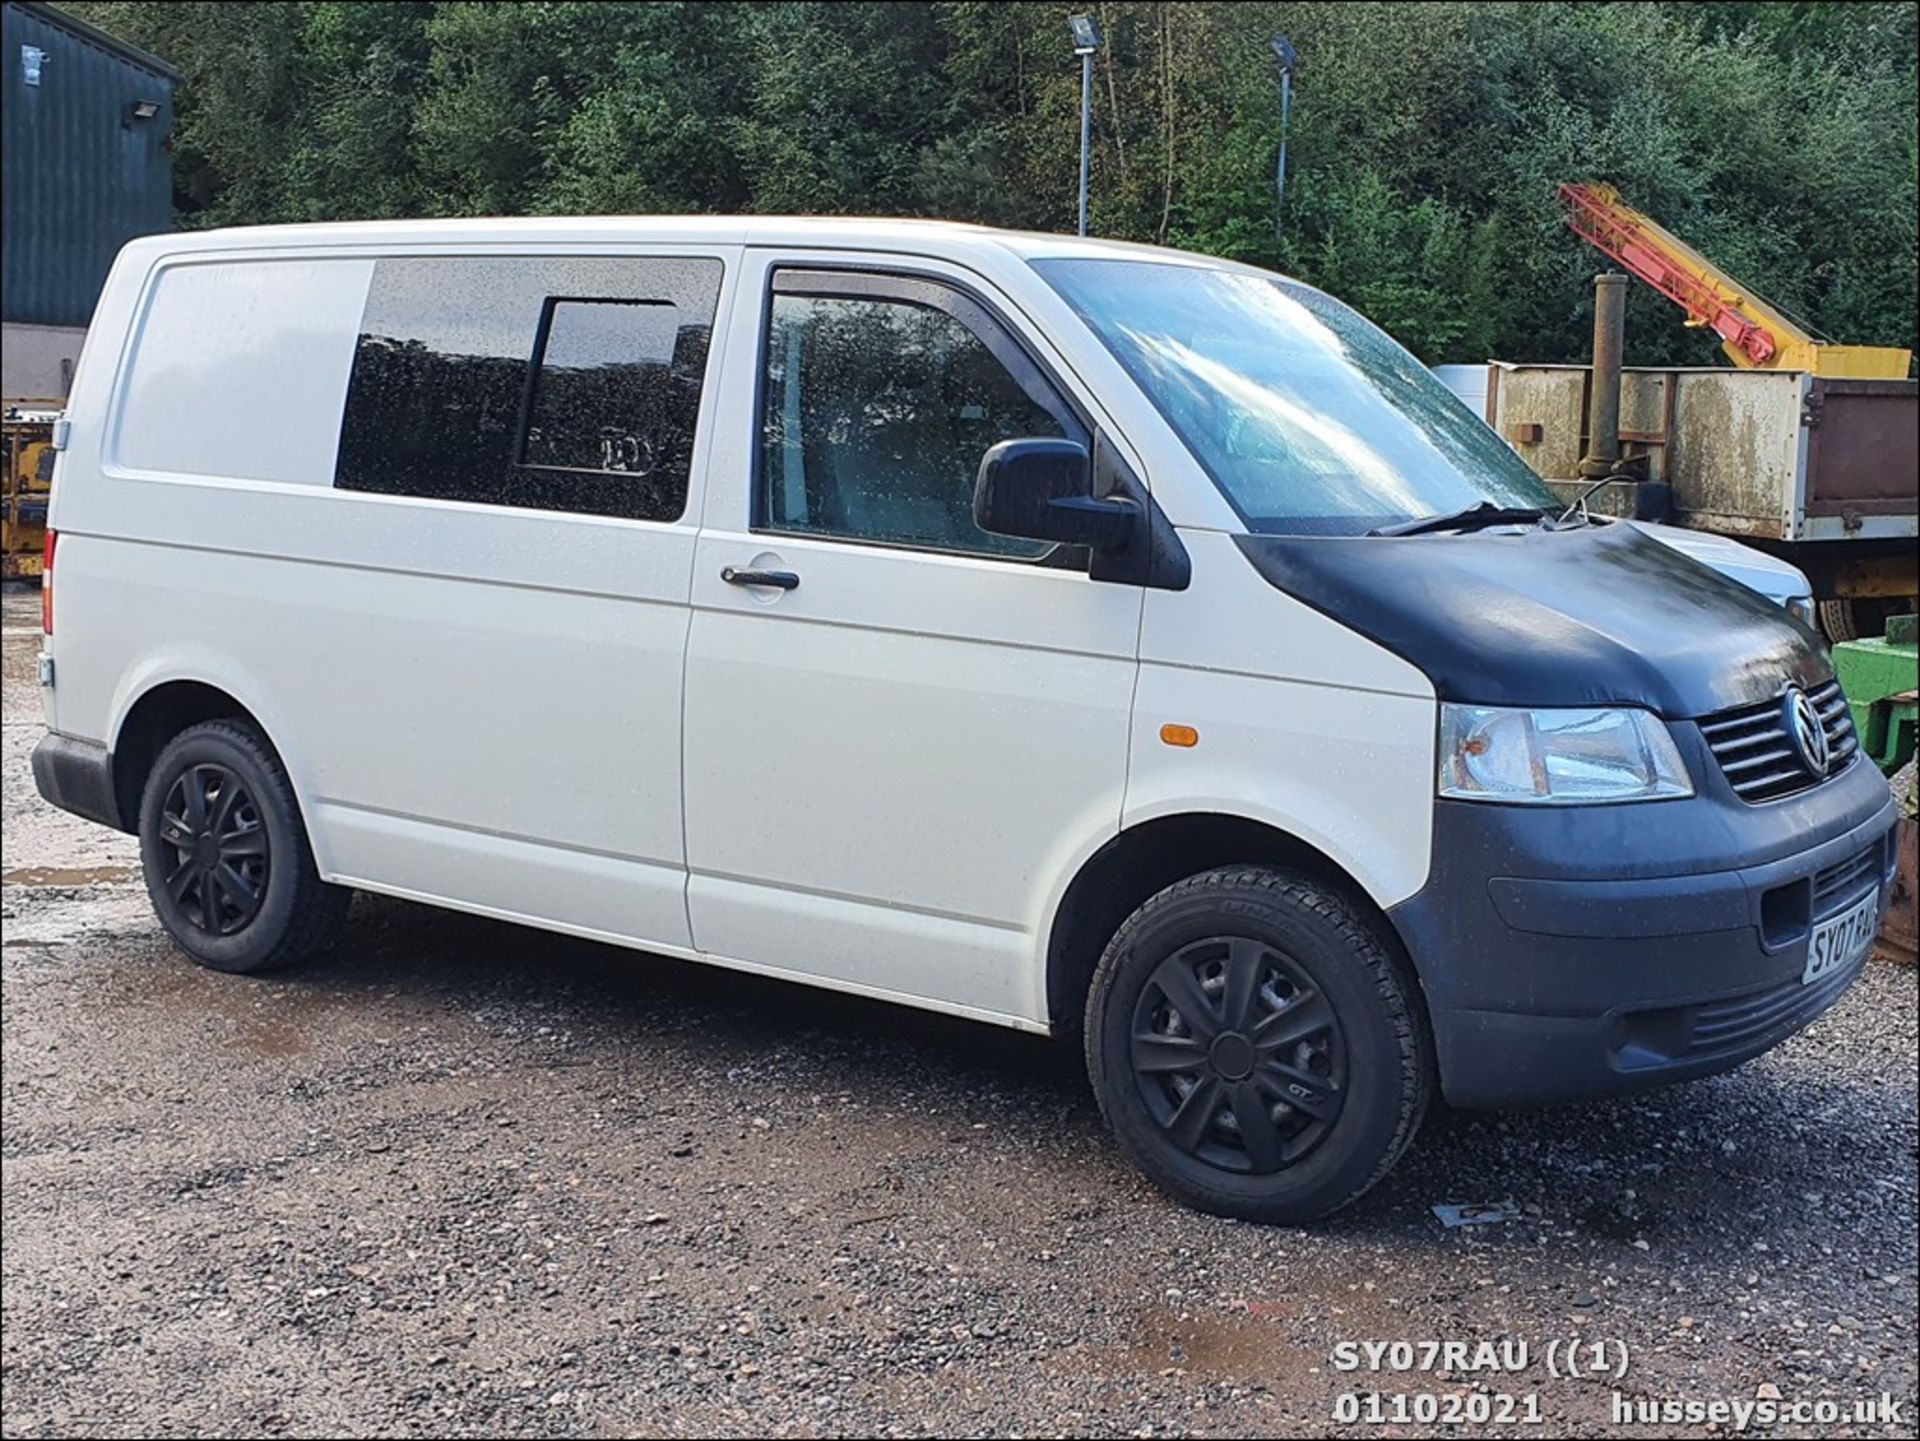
(1255, 1046)
(1859, 617)
(225, 853)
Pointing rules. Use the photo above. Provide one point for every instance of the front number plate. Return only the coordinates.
(1841, 940)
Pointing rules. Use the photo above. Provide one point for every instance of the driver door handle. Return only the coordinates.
(778, 579)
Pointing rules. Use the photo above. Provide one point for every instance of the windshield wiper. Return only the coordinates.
(1474, 517)
(1580, 500)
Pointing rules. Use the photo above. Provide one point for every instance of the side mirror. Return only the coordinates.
(1043, 490)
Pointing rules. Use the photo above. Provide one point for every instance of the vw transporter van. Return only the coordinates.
(1084, 638)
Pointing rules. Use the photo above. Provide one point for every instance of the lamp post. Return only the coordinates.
(1086, 40)
(1284, 52)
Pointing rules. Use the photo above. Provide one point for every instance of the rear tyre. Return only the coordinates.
(225, 853)
(1255, 1046)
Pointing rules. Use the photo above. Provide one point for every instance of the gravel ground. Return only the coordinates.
(463, 1178)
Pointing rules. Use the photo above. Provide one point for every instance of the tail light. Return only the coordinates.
(46, 584)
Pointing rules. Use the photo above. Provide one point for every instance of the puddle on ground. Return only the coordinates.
(56, 876)
(273, 1040)
(1245, 1350)
(271, 1019)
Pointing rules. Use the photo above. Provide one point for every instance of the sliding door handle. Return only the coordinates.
(778, 579)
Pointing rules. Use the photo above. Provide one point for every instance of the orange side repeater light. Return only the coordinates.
(1177, 735)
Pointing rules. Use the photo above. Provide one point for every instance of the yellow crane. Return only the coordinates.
(1754, 334)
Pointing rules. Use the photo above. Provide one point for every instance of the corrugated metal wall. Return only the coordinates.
(80, 177)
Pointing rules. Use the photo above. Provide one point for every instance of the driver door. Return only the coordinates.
(900, 730)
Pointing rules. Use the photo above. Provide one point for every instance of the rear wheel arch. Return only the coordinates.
(1145, 859)
(155, 718)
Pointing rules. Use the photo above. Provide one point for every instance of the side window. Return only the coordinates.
(876, 412)
(554, 384)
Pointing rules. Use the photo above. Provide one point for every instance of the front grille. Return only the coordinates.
(1843, 882)
(1756, 750)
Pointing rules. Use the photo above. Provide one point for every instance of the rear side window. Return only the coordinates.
(238, 368)
(551, 384)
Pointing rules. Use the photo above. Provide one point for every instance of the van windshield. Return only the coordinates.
(1311, 419)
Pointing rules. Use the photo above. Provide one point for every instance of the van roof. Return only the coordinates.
(942, 237)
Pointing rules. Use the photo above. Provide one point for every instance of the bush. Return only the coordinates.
(1428, 138)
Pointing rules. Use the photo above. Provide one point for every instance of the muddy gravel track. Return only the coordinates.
(464, 1178)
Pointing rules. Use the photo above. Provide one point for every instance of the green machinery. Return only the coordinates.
(1881, 677)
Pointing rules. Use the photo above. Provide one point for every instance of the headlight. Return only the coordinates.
(1558, 757)
(1800, 607)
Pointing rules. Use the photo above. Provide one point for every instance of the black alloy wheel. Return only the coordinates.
(225, 853)
(221, 849)
(1256, 1040)
(1239, 1057)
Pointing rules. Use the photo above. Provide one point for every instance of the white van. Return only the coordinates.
(1082, 638)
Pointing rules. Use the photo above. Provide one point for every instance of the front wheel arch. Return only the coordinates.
(1144, 860)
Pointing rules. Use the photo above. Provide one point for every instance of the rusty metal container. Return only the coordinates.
(1901, 932)
(1824, 472)
(1773, 455)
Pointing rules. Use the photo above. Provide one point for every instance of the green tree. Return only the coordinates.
(1778, 138)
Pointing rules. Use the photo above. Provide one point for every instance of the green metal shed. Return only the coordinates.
(87, 161)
